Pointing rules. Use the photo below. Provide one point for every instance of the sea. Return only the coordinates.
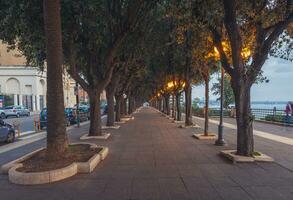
(279, 105)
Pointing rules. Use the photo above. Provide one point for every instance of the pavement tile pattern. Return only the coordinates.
(151, 158)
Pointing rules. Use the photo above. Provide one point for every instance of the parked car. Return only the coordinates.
(70, 116)
(16, 111)
(104, 109)
(83, 108)
(2, 113)
(7, 132)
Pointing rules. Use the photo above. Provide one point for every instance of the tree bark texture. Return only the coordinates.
(95, 114)
(130, 105)
(118, 99)
(188, 108)
(245, 143)
(167, 103)
(57, 141)
(124, 106)
(178, 109)
(173, 107)
(110, 107)
(160, 105)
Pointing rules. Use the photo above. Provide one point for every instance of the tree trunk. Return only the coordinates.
(206, 116)
(178, 106)
(167, 104)
(57, 141)
(173, 107)
(118, 108)
(245, 143)
(160, 105)
(130, 105)
(95, 114)
(124, 106)
(188, 113)
(110, 107)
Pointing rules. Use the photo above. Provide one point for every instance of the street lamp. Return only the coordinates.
(245, 53)
(220, 141)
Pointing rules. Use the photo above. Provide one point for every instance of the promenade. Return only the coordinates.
(151, 158)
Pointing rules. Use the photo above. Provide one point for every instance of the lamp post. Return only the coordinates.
(220, 141)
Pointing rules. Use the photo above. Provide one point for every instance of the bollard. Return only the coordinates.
(37, 124)
(16, 126)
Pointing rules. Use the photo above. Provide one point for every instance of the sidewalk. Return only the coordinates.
(150, 158)
(273, 140)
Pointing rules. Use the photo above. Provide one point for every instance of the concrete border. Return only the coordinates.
(35, 178)
(105, 136)
(120, 122)
(111, 127)
(127, 118)
(230, 154)
(178, 122)
(192, 126)
(201, 136)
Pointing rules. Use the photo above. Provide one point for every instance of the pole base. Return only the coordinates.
(221, 142)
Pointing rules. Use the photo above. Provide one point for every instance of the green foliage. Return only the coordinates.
(195, 103)
(277, 118)
(228, 91)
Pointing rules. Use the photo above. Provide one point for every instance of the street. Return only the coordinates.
(26, 123)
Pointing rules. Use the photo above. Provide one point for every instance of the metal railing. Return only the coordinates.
(267, 115)
(272, 115)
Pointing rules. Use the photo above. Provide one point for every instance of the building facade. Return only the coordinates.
(27, 86)
(21, 85)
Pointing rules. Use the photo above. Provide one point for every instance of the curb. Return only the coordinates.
(36, 178)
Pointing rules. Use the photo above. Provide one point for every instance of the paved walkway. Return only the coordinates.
(150, 158)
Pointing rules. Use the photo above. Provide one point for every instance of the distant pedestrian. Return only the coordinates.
(289, 111)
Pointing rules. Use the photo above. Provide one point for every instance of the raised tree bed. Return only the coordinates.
(34, 168)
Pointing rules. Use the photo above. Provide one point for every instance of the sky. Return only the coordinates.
(279, 88)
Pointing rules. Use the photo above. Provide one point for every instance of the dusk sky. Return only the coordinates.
(280, 86)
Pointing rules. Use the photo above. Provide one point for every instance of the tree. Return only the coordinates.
(99, 49)
(57, 142)
(93, 32)
(251, 29)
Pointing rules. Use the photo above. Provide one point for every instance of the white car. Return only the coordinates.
(16, 111)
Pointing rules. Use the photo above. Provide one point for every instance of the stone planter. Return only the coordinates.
(35, 178)
(178, 122)
(105, 136)
(110, 127)
(192, 126)
(230, 154)
(127, 118)
(201, 136)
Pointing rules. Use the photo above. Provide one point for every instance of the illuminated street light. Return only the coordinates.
(245, 53)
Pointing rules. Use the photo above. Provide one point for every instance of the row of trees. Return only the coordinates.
(147, 50)
(244, 34)
(95, 41)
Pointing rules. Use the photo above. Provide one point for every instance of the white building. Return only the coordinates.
(23, 85)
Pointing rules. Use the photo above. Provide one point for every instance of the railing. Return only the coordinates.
(267, 115)
(272, 115)
(213, 112)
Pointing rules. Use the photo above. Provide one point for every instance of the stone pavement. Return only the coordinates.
(150, 158)
(275, 141)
